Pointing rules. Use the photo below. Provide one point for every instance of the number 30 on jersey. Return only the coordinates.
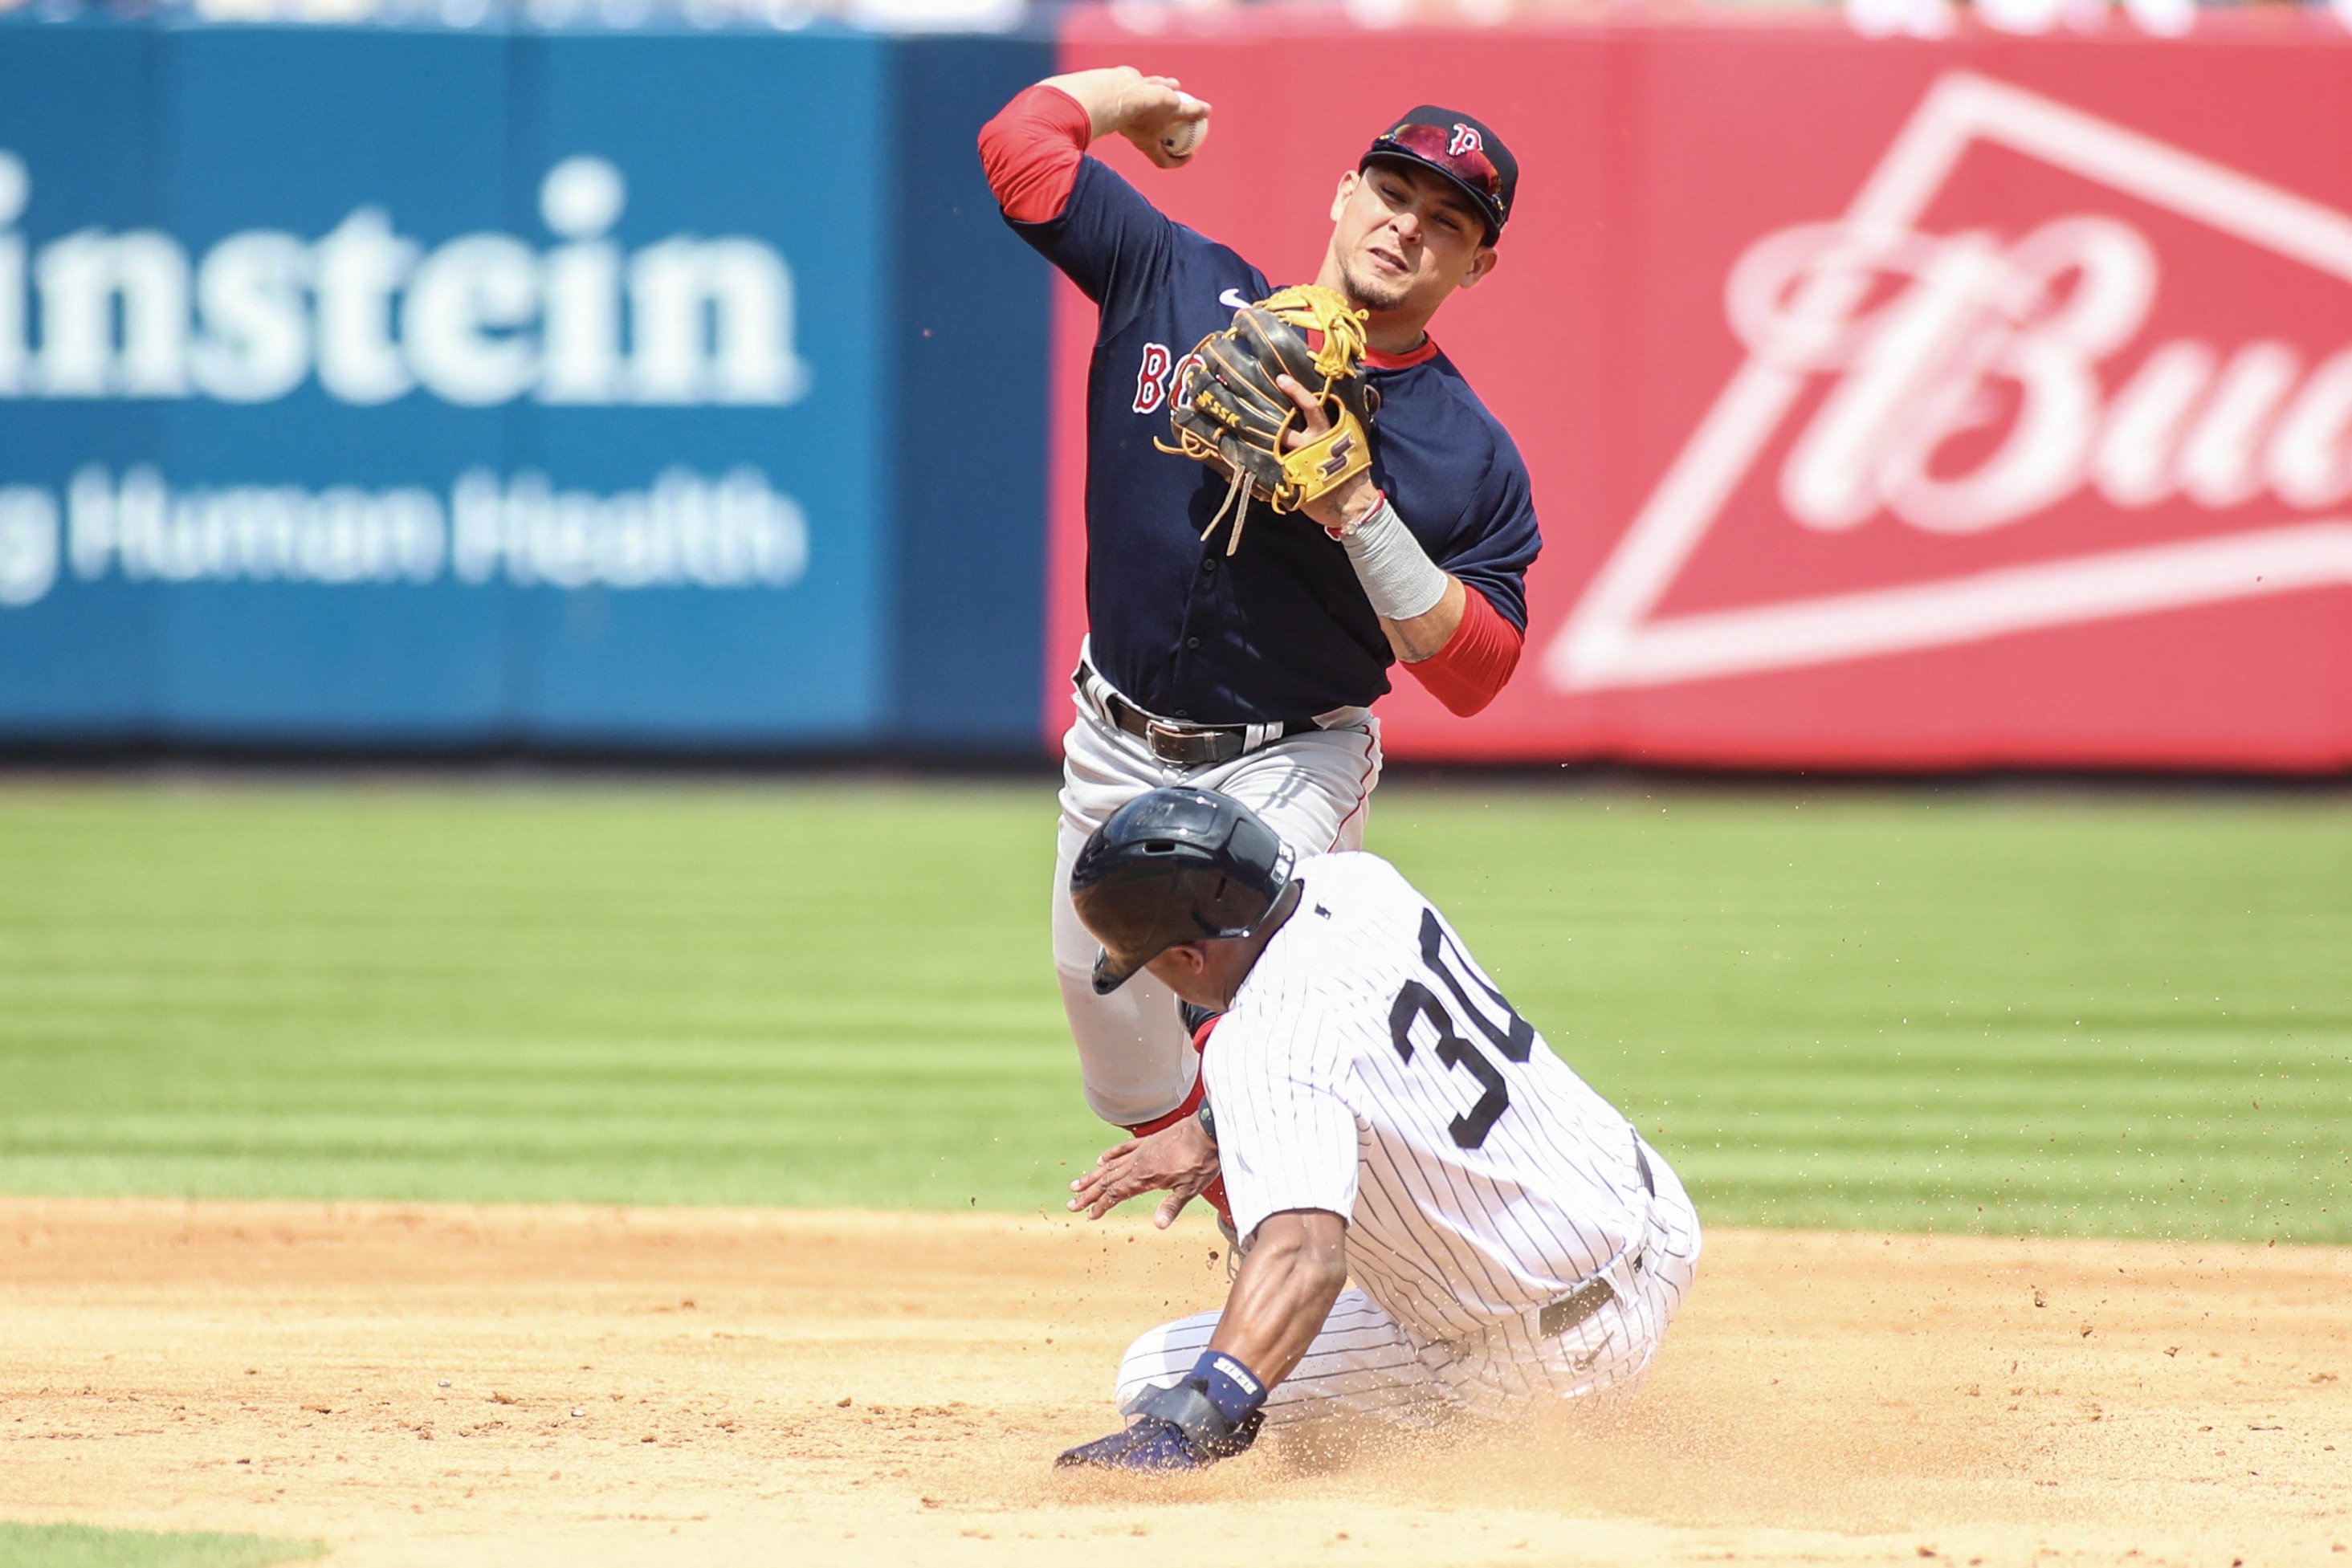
(1488, 1014)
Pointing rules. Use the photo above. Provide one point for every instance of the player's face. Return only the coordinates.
(1405, 239)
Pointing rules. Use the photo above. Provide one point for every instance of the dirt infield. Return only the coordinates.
(523, 1388)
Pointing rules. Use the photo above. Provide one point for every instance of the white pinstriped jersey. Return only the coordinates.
(1369, 1068)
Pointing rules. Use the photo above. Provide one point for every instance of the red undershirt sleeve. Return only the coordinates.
(1031, 150)
(1476, 661)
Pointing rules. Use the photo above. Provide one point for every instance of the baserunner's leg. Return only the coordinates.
(1361, 1364)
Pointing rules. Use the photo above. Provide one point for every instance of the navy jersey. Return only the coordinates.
(1281, 630)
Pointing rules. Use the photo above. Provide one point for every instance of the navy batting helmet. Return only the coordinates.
(1175, 865)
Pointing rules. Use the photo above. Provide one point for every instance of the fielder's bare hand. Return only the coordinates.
(1178, 1160)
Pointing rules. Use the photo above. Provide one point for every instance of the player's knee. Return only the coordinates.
(1161, 1357)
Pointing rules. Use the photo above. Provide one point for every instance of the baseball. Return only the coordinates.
(1183, 137)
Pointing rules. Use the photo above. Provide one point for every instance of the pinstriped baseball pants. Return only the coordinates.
(1365, 1364)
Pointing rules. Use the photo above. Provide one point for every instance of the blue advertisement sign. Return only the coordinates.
(437, 387)
(752, 264)
(76, 147)
(334, 269)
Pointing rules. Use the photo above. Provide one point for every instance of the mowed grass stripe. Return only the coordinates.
(2118, 1015)
(722, 994)
(2095, 1014)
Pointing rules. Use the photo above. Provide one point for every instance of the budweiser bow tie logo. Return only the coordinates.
(2015, 391)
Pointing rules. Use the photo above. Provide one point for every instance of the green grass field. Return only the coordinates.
(80, 1546)
(2113, 1014)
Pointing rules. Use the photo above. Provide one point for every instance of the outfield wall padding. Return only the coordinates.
(1891, 403)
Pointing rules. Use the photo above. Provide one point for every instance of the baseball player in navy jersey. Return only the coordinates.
(1254, 674)
(1379, 1110)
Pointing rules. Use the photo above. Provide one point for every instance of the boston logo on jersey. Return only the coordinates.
(480, 319)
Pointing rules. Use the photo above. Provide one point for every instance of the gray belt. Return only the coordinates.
(1558, 1317)
(1185, 745)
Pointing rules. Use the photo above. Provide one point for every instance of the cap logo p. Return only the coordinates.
(1465, 140)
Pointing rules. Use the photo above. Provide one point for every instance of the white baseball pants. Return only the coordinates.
(1312, 789)
(1365, 1364)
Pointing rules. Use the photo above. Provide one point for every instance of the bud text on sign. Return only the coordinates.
(2004, 350)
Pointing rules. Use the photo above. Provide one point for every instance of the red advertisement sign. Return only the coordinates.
(1889, 404)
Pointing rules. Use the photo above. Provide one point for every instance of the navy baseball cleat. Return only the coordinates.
(1150, 1446)
(1213, 1415)
(1156, 1446)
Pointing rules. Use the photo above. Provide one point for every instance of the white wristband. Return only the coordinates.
(1398, 576)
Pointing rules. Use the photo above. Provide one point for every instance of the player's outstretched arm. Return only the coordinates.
(1294, 1271)
(1291, 1274)
(1123, 102)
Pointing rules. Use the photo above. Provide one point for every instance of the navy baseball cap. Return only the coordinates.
(1460, 148)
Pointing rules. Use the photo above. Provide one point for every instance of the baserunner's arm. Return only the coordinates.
(1289, 1280)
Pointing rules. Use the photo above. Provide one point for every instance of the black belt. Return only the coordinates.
(1188, 745)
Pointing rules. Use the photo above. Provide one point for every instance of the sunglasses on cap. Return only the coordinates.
(1459, 151)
